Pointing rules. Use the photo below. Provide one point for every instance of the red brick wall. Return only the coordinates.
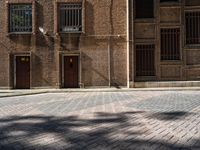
(102, 18)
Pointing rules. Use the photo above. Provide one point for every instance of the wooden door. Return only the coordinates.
(71, 72)
(22, 75)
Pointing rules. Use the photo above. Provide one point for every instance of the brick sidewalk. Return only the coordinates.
(101, 121)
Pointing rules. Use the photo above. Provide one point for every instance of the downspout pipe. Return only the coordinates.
(109, 44)
(109, 62)
(128, 52)
(132, 45)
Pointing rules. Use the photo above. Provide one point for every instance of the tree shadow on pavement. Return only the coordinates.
(104, 131)
(174, 115)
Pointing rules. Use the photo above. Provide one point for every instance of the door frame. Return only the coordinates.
(62, 69)
(15, 69)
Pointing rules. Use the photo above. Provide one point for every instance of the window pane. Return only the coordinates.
(192, 23)
(20, 18)
(170, 44)
(144, 8)
(192, 2)
(70, 17)
(145, 58)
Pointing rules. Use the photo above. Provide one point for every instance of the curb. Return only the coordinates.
(22, 94)
(97, 90)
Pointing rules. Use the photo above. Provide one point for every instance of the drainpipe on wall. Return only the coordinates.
(109, 65)
(128, 52)
(133, 45)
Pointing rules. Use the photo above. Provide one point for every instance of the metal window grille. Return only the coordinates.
(144, 8)
(170, 44)
(20, 18)
(70, 17)
(192, 22)
(145, 60)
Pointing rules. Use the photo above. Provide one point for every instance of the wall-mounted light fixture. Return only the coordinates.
(42, 31)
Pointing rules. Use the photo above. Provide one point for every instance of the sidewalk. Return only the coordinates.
(12, 93)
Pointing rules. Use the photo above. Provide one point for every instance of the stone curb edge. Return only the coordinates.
(98, 90)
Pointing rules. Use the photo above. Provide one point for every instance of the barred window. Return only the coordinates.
(145, 57)
(144, 8)
(20, 18)
(70, 17)
(170, 44)
(192, 24)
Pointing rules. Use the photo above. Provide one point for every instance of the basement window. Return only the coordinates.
(20, 18)
(145, 60)
(70, 17)
(170, 44)
(192, 24)
(144, 8)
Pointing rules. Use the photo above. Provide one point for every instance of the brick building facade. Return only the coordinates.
(75, 43)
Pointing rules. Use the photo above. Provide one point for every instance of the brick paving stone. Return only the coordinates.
(143, 120)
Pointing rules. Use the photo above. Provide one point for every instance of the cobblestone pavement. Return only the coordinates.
(137, 120)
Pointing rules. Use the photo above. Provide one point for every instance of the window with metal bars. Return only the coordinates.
(70, 17)
(145, 60)
(170, 44)
(144, 8)
(20, 18)
(192, 25)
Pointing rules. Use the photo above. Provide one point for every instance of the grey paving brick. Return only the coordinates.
(101, 120)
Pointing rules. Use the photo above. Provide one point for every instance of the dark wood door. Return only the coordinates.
(71, 72)
(22, 72)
